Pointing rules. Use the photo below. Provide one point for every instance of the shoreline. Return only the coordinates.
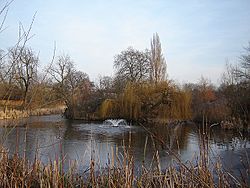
(13, 114)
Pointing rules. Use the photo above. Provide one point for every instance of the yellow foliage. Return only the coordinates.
(181, 106)
(107, 109)
(130, 102)
(161, 101)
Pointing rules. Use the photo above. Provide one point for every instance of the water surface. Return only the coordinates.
(53, 137)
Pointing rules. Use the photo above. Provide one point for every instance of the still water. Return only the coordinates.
(53, 137)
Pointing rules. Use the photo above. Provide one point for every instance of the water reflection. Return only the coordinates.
(52, 137)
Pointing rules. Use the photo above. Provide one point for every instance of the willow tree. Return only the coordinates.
(158, 65)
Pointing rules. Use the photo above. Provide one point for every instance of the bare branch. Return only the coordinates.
(132, 65)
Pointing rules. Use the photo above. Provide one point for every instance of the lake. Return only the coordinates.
(53, 137)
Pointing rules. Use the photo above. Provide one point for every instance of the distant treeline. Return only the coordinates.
(139, 91)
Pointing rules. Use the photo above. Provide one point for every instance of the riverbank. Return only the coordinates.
(9, 113)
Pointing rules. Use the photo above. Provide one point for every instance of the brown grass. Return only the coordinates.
(11, 109)
(11, 103)
(13, 114)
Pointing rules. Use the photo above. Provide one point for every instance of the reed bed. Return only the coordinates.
(13, 114)
(19, 114)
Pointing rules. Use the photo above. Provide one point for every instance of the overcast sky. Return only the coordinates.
(197, 36)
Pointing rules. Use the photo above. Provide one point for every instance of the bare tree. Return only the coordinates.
(157, 61)
(132, 65)
(23, 63)
(76, 81)
(105, 83)
(243, 71)
(62, 68)
(72, 86)
(8, 67)
(237, 91)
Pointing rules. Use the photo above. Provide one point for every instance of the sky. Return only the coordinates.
(197, 36)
